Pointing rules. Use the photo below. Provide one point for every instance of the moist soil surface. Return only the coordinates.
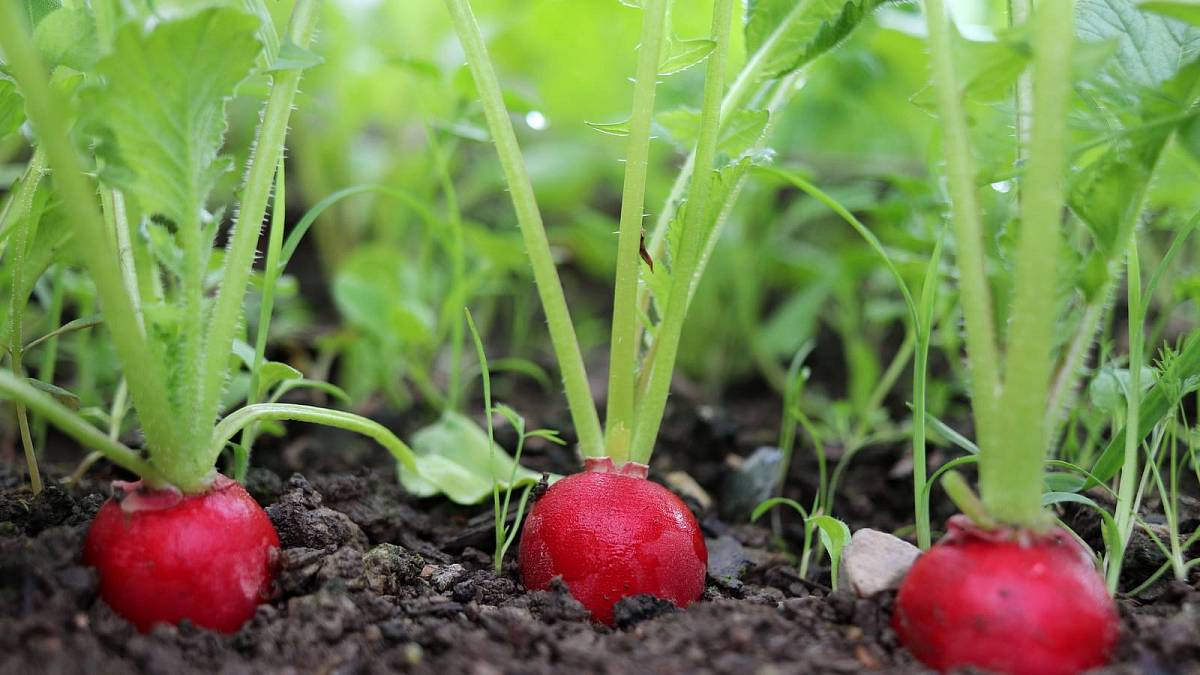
(373, 580)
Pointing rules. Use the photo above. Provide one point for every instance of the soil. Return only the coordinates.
(373, 581)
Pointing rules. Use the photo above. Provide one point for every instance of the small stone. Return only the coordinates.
(749, 481)
(877, 561)
(727, 559)
(387, 567)
(446, 576)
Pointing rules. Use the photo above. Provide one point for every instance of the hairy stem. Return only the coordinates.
(623, 349)
(1011, 484)
(268, 148)
(968, 230)
(692, 241)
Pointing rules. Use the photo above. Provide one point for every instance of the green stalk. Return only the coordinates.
(1126, 509)
(271, 271)
(924, 332)
(623, 351)
(968, 230)
(78, 428)
(268, 148)
(533, 232)
(1011, 483)
(738, 97)
(692, 241)
(17, 214)
(147, 381)
(233, 423)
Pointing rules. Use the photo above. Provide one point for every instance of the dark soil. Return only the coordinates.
(374, 581)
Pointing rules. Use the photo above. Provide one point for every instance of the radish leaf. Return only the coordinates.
(165, 155)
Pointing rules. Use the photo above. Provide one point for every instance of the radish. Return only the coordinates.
(609, 534)
(1007, 601)
(164, 557)
(1006, 590)
(185, 542)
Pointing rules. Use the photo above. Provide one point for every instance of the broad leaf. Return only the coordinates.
(453, 458)
(160, 114)
(67, 36)
(1152, 75)
(793, 33)
(36, 10)
(12, 107)
(679, 55)
(1184, 10)
(739, 132)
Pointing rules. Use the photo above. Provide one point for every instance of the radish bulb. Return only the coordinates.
(610, 534)
(164, 556)
(1006, 601)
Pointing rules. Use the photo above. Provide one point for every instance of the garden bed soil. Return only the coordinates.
(374, 581)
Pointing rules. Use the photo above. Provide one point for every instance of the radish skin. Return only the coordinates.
(164, 557)
(1006, 601)
(609, 533)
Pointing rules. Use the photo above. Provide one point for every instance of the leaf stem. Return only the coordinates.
(78, 428)
(623, 350)
(268, 149)
(976, 298)
(1010, 481)
(229, 427)
(529, 218)
(1126, 509)
(692, 240)
(271, 271)
(19, 214)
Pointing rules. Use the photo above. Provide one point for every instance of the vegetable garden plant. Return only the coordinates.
(1007, 280)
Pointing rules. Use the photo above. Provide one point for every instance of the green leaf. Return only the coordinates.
(160, 114)
(378, 292)
(834, 536)
(738, 134)
(793, 33)
(292, 57)
(1108, 531)
(1150, 49)
(453, 459)
(36, 10)
(1184, 10)
(271, 374)
(67, 36)
(62, 395)
(611, 128)
(679, 55)
(1138, 100)
(12, 106)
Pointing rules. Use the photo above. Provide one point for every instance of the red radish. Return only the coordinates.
(1008, 601)
(610, 533)
(164, 557)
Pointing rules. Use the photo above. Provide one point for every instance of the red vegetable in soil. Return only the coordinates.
(610, 533)
(164, 557)
(1006, 601)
